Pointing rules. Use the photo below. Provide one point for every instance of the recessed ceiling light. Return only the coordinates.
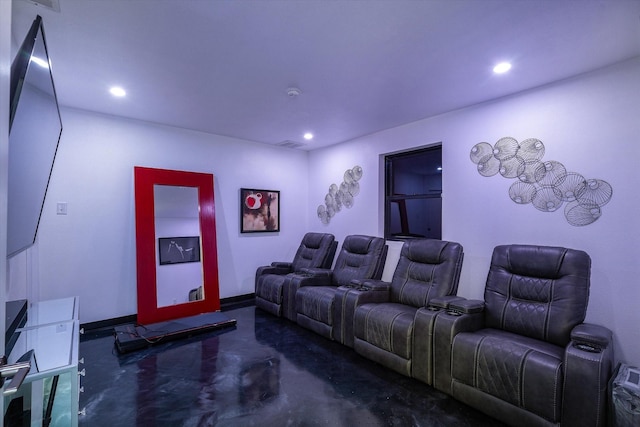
(308, 136)
(502, 67)
(117, 91)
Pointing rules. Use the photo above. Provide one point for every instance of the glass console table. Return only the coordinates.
(50, 391)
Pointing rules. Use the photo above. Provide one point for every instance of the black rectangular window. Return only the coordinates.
(413, 199)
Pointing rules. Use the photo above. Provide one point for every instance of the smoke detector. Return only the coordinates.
(292, 92)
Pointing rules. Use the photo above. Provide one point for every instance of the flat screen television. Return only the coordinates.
(35, 128)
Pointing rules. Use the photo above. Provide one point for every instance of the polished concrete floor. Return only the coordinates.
(264, 372)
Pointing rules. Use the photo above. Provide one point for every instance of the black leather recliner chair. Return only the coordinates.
(316, 250)
(360, 258)
(391, 331)
(524, 355)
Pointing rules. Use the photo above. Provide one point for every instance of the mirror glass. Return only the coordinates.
(179, 274)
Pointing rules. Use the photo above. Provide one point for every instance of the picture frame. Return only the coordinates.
(259, 210)
(178, 250)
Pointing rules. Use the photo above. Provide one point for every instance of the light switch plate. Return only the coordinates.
(61, 208)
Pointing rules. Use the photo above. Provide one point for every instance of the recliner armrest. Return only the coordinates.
(295, 281)
(349, 298)
(282, 264)
(315, 277)
(590, 337)
(280, 268)
(423, 336)
(466, 306)
(462, 315)
(443, 302)
(271, 269)
(355, 283)
(370, 285)
(588, 365)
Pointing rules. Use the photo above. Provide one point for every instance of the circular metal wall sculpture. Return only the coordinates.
(342, 195)
(545, 184)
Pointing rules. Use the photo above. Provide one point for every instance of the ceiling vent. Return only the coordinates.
(47, 4)
(290, 144)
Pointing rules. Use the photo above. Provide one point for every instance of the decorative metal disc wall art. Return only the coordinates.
(545, 184)
(340, 195)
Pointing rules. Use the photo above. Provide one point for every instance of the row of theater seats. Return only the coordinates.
(522, 355)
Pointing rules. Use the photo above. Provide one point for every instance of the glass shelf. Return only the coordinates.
(52, 311)
(52, 332)
(54, 347)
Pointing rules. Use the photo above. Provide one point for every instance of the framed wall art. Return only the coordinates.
(259, 210)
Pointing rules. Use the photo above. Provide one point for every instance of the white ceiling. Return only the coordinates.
(223, 66)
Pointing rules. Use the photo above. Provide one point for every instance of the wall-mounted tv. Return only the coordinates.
(35, 127)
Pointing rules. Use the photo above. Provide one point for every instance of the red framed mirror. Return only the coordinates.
(175, 218)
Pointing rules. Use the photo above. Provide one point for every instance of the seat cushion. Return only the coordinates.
(316, 302)
(522, 371)
(388, 326)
